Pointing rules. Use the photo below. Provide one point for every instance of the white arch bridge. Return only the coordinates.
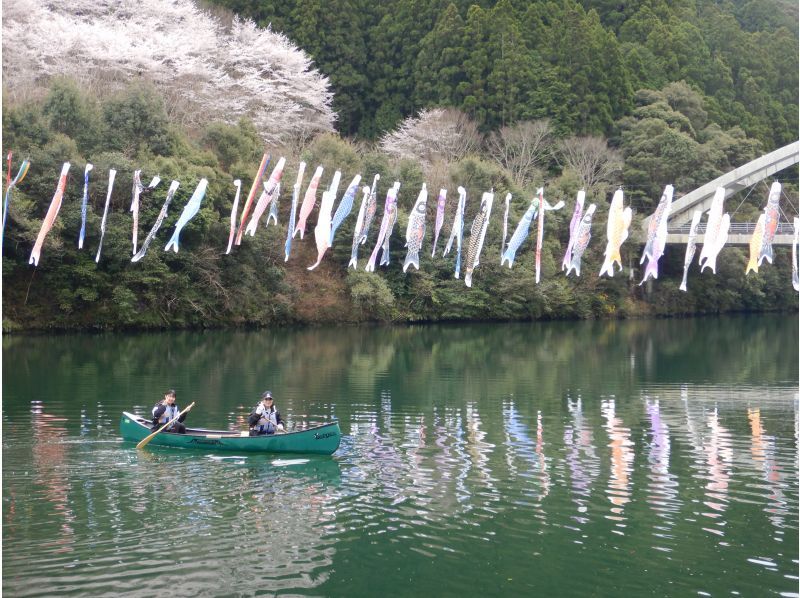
(736, 180)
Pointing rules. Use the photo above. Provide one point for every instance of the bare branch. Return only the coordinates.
(523, 149)
(592, 159)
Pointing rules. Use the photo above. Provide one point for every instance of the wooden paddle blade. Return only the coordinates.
(144, 442)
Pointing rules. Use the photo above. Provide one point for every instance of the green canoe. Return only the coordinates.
(321, 440)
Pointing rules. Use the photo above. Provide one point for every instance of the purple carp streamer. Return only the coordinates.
(505, 227)
(477, 235)
(345, 207)
(619, 221)
(50, 217)
(112, 174)
(755, 244)
(577, 214)
(262, 168)
(520, 234)
(189, 211)
(23, 170)
(371, 209)
(771, 223)
(716, 232)
(795, 244)
(457, 231)
(84, 203)
(691, 246)
(415, 231)
(440, 205)
(238, 184)
(386, 239)
(287, 248)
(273, 208)
(267, 195)
(309, 200)
(389, 212)
(657, 235)
(365, 190)
(163, 214)
(139, 189)
(322, 232)
(583, 233)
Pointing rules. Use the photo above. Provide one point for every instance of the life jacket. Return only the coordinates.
(170, 413)
(267, 422)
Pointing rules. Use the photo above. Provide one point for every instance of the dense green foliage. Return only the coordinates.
(202, 287)
(578, 63)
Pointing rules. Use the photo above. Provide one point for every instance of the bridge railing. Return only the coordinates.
(736, 228)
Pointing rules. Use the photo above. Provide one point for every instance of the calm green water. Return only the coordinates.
(607, 458)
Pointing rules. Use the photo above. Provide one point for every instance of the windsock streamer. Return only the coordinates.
(545, 207)
(477, 236)
(365, 190)
(520, 233)
(267, 195)
(440, 205)
(23, 170)
(795, 247)
(457, 231)
(583, 233)
(619, 221)
(50, 217)
(371, 209)
(163, 214)
(415, 231)
(189, 212)
(273, 208)
(505, 228)
(84, 204)
(756, 242)
(691, 246)
(713, 229)
(771, 223)
(718, 243)
(112, 175)
(309, 200)
(287, 248)
(322, 232)
(139, 189)
(265, 159)
(577, 214)
(387, 237)
(389, 211)
(238, 184)
(657, 235)
(345, 206)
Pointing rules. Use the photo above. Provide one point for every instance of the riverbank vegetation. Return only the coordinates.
(663, 94)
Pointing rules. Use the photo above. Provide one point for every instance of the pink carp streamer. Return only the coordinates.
(267, 195)
(251, 196)
(322, 232)
(577, 214)
(50, 217)
(238, 184)
(309, 200)
(771, 223)
(440, 205)
(389, 212)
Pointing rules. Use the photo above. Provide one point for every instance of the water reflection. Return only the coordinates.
(478, 445)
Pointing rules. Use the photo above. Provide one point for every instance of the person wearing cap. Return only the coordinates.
(265, 419)
(165, 411)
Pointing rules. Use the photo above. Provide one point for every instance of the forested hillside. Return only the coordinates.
(508, 96)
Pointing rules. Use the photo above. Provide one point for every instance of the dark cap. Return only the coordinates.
(170, 393)
(266, 395)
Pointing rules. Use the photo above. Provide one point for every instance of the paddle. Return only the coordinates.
(166, 425)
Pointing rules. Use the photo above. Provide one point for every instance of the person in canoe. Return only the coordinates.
(166, 410)
(265, 418)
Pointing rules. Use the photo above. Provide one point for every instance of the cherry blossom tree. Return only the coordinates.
(206, 68)
(439, 134)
